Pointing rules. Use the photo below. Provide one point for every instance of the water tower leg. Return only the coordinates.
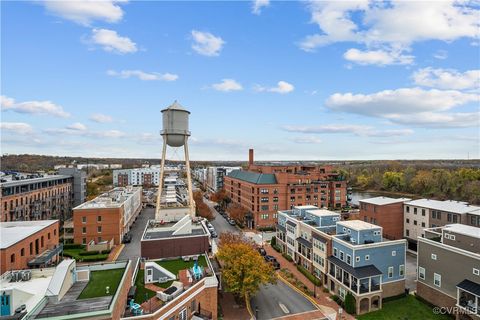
(160, 181)
(191, 203)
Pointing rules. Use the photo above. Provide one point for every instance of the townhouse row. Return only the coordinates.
(347, 256)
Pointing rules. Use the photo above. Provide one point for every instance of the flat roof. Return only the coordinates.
(111, 199)
(463, 229)
(358, 224)
(322, 212)
(447, 205)
(384, 200)
(15, 231)
(22, 182)
(305, 207)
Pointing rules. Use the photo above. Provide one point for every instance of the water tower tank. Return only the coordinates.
(175, 125)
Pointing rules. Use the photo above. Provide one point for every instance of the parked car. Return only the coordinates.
(231, 221)
(262, 251)
(213, 234)
(269, 258)
(275, 265)
(273, 261)
(127, 238)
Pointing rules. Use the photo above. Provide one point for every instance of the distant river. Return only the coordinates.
(359, 195)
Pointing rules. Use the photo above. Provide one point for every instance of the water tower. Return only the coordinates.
(175, 134)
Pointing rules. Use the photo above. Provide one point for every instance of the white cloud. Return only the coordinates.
(358, 130)
(398, 101)
(377, 57)
(282, 87)
(110, 41)
(439, 120)
(396, 25)
(447, 78)
(86, 11)
(441, 55)
(258, 5)
(206, 44)
(77, 126)
(33, 107)
(227, 85)
(145, 76)
(307, 140)
(101, 118)
(16, 127)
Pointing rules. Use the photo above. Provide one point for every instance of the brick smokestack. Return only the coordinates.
(250, 157)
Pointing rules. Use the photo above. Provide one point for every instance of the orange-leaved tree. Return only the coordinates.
(203, 209)
(243, 268)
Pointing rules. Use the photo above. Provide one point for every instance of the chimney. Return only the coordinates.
(250, 157)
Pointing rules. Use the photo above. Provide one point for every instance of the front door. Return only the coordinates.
(5, 305)
(150, 275)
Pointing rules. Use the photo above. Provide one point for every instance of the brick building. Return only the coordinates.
(265, 189)
(28, 244)
(385, 212)
(41, 198)
(107, 217)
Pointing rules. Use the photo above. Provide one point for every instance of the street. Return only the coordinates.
(279, 300)
(132, 249)
(274, 300)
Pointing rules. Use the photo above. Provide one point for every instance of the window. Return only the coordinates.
(54, 232)
(408, 209)
(31, 247)
(48, 236)
(415, 222)
(452, 237)
(401, 270)
(449, 217)
(437, 279)
(423, 224)
(357, 258)
(342, 292)
(423, 212)
(476, 272)
(407, 232)
(22, 252)
(99, 229)
(390, 272)
(84, 240)
(264, 216)
(408, 220)
(341, 255)
(349, 259)
(99, 218)
(421, 273)
(447, 236)
(12, 258)
(434, 256)
(84, 219)
(367, 257)
(335, 252)
(394, 253)
(183, 314)
(84, 230)
(414, 210)
(264, 208)
(376, 233)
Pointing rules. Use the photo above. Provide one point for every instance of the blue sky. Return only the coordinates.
(294, 80)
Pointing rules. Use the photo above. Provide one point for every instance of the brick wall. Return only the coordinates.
(174, 247)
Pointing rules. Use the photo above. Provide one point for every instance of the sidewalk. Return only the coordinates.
(230, 309)
(327, 305)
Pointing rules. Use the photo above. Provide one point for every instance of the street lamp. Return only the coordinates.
(256, 312)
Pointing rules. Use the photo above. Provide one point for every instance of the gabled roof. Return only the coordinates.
(253, 177)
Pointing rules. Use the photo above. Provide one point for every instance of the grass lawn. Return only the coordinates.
(141, 290)
(178, 264)
(408, 308)
(101, 279)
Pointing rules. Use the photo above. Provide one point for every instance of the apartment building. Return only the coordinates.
(215, 177)
(79, 184)
(29, 244)
(200, 175)
(37, 198)
(425, 213)
(146, 177)
(449, 269)
(385, 212)
(109, 216)
(305, 234)
(266, 189)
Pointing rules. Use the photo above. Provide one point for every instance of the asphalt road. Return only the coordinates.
(132, 249)
(277, 300)
(273, 300)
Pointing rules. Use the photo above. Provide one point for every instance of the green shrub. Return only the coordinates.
(73, 246)
(335, 298)
(273, 242)
(349, 303)
(100, 257)
(286, 256)
(309, 276)
(88, 253)
(67, 254)
(266, 229)
(326, 290)
(277, 248)
(106, 251)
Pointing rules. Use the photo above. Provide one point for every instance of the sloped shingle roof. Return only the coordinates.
(253, 177)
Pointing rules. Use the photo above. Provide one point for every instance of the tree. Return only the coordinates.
(393, 181)
(237, 213)
(221, 198)
(350, 303)
(202, 209)
(243, 268)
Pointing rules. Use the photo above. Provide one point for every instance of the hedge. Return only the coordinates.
(310, 276)
(73, 246)
(286, 256)
(273, 241)
(88, 253)
(277, 248)
(100, 257)
(106, 251)
(349, 303)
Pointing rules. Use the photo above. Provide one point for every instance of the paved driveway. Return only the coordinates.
(132, 249)
(411, 271)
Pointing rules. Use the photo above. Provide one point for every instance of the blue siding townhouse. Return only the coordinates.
(366, 265)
